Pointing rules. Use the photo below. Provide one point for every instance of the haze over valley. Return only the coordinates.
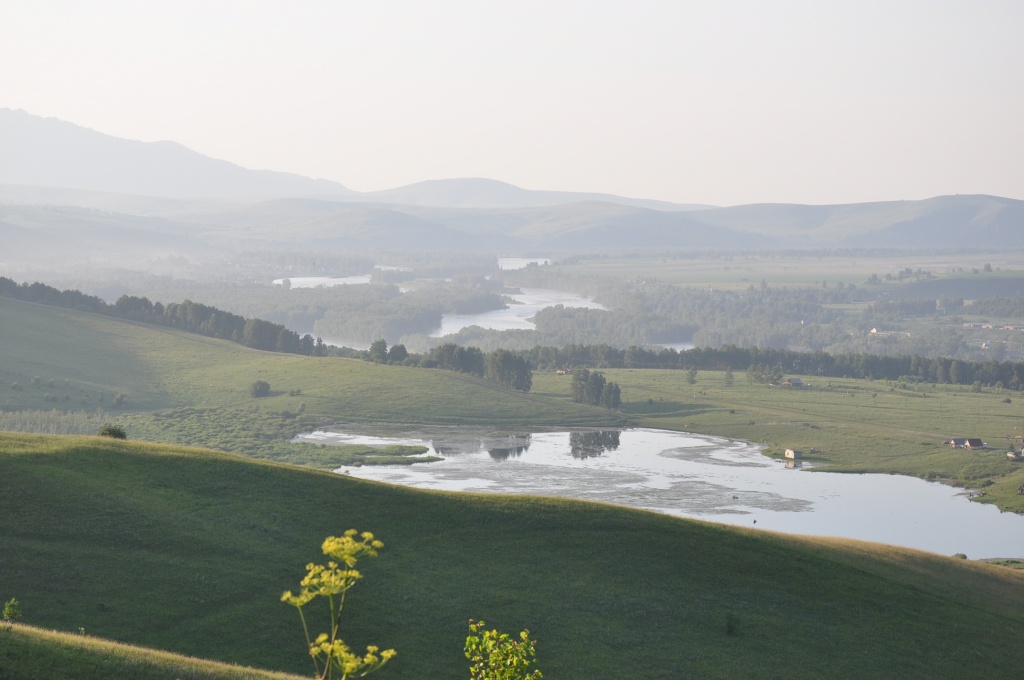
(685, 338)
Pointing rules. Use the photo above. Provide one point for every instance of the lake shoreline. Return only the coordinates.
(706, 477)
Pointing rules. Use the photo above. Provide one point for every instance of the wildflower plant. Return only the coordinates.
(499, 656)
(332, 658)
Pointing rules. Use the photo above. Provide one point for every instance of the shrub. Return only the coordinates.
(260, 388)
(498, 656)
(113, 431)
(12, 610)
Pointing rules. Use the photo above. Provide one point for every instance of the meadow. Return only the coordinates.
(188, 550)
(783, 269)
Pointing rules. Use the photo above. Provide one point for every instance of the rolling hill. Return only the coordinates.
(188, 550)
(478, 192)
(942, 222)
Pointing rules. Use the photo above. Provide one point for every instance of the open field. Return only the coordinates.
(189, 550)
(852, 425)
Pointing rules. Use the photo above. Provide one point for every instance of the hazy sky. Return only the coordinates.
(720, 102)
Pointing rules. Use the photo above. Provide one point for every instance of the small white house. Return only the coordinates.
(794, 454)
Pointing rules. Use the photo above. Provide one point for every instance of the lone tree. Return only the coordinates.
(113, 431)
(397, 354)
(260, 388)
(378, 352)
(12, 611)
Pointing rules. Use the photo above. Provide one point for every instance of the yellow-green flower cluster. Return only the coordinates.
(336, 578)
(349, 549)
(337, 654)
(332, 579)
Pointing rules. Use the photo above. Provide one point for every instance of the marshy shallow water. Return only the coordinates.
(702, 477)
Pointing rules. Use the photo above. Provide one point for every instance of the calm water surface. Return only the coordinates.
(516, 316)
(706, 478)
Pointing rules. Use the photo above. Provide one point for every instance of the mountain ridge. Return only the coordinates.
(50, 152)
(219, 204)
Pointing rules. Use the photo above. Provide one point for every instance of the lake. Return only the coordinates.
(702, 477)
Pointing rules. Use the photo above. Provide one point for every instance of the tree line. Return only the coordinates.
(770, 363)
(188, 316)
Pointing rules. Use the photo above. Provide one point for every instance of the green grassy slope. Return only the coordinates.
(30, 653)
(188, 550)
(183, 388)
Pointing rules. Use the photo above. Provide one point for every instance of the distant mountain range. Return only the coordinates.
(47, 152)
(64, 188)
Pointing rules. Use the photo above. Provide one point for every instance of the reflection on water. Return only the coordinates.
(516, 446)
(707, 478)
(587, 444)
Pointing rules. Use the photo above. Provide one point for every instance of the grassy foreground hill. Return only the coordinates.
(188, 550)
(30, 653)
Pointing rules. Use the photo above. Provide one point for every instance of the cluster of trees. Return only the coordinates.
(380, 353)
(188, 316)
(591, 387)
(452, 357)
(509, 369)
